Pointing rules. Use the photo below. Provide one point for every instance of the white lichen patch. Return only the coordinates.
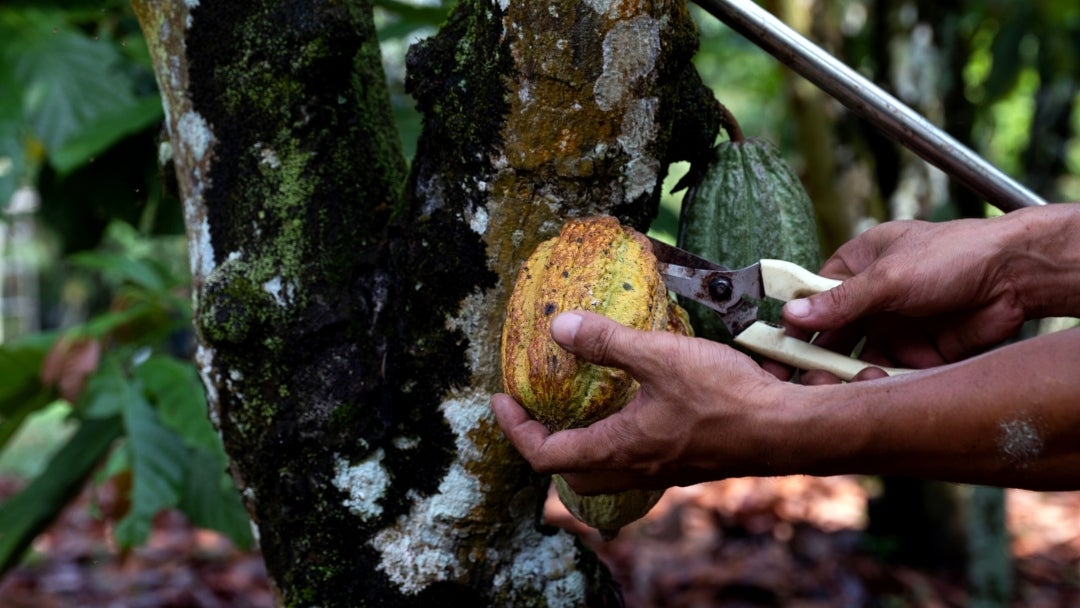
(525, 93)
(417, 551)
(641, 175)
(204, 358)
(1019, 441)
(637, 131)
(200, 249)
(464, 412)
(268, 156)
(478, 219)
(195, 134)
(470, 321)
(282, 292)
(631, 49)
(638, 128)
(405, 443)
(602, 7)
(433, 193)
(545, 566)
(380, 294)
(365, 484)
(165, 153)
(194, 140)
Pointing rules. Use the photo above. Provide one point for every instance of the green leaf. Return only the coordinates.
(209, 497)
(120, 267)
(1006, 63)
(103, 131)
(68, 80)
(106, 391)
(28, 513)
(13, 158)
(211, 501)
(106, 322)
(13, 162)
(21, 391)
(19, 367)
(158, 465)
(174, 387)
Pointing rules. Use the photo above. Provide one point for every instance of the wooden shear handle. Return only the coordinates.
(786, 281)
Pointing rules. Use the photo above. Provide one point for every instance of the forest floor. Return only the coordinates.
(792, 541)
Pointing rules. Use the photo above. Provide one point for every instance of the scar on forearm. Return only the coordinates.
(1019, 441)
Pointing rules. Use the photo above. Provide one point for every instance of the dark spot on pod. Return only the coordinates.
(553, 363)
(566, 274)
(549, 308)
(628, 287)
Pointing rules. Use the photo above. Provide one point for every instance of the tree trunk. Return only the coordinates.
(812, 113)
(349, 319)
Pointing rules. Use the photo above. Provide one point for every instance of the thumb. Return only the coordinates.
(835, 308)
(600, 340)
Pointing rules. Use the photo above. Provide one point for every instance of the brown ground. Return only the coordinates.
(791, 541)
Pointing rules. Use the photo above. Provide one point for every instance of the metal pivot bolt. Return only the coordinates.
(720, 288)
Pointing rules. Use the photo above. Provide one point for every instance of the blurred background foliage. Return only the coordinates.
(95, 341)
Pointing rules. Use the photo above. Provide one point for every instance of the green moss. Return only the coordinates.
(458, 80)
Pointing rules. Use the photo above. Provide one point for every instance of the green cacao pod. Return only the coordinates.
(608, 513)
(747, 205)
(594, 264)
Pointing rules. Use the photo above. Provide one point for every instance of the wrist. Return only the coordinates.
(820, 431)
(1042, 259)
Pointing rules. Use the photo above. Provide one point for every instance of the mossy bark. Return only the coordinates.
(348, 314)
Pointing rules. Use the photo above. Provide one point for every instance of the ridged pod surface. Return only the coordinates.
(595, 264)
(748, 205)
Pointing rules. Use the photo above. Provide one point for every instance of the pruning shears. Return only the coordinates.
(735, 296)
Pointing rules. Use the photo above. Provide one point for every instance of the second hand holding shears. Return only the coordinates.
(735, 294)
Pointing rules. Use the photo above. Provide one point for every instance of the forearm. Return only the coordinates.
(1042, 258)
(1006, 418)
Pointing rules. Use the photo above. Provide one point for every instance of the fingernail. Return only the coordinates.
(798, 308)
(565, 326)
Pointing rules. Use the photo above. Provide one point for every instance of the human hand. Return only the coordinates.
(704, 411)
(923, 294)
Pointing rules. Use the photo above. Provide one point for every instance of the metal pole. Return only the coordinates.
(866, 99)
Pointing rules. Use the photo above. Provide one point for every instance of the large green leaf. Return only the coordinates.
(209, 496)
(28, 513)
(106, 390)
(211, 501)
(69, 80)
(12, 158)
(19, 367)
(158, 466)
(21, 390)
(121, 267)
(174, 387)
(1007, 61)
(104, 130)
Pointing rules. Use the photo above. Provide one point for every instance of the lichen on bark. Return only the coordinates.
(536, 112)
(349, 318)
(271, 108)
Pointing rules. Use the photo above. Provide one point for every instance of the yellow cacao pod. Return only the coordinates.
(595, 264)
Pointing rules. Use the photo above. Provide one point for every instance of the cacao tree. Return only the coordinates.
(348, 306)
